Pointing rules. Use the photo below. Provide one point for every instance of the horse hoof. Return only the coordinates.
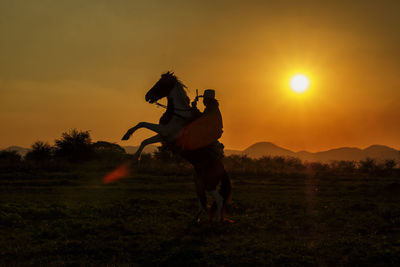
(135, 159)
(196, 221)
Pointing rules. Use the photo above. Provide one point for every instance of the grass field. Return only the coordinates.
(71, 218)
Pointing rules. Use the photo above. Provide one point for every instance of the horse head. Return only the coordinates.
(162, 88)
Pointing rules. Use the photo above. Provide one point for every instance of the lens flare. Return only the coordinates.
(120, 172)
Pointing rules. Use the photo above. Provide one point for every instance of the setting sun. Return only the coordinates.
(299, 83)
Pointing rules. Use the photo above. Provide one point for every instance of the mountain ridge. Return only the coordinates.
(260, 149)
(378, 152)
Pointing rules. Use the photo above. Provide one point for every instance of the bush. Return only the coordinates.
(74, 146)
(9, 157)
(368, 165)
(108, 151)
(40, 151)
(344, 166)
(10, 160)
(389, 164)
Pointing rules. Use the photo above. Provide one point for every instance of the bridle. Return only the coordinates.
(178, 109)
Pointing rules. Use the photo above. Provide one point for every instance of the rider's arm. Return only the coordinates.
(194, 103)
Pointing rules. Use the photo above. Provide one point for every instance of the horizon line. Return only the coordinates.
(228, 148)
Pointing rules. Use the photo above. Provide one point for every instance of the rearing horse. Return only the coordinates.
(208, 166)
(179, 112)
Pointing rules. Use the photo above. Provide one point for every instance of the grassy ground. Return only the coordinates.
(71, 218)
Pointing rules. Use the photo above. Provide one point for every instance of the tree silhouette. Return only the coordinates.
(9, 157)
(40, 151)
(108, 151)
(74, 146)
(368, 165)
(390, 164)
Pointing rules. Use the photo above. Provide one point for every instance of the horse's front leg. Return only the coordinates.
(154, 139)
(151, 126)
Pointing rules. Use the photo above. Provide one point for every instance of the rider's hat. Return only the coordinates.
(209, 93)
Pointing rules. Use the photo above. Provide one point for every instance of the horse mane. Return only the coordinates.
(171, 75)
(183, 88)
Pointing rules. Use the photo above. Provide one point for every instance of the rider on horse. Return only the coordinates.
(206, 128)
(195, 136)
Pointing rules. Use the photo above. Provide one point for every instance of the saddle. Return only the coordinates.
(202, 131)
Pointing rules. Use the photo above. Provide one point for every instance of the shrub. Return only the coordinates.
(389, 164)
(344, 166)
(74, 146)
(40, 151)
(9, 157)
(10, 160)
(368, 165)
(108, 151)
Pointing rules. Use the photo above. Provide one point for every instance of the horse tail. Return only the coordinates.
(226, 189)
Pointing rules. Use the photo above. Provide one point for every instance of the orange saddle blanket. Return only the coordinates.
(200, 132)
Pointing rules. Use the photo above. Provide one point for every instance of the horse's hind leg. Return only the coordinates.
(201, 194)
(201, 209)
(148, 141)
(212, 212)
(219, 202)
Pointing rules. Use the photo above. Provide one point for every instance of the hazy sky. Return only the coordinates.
(88, 64)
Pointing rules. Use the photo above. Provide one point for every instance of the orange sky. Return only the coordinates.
(88, 65)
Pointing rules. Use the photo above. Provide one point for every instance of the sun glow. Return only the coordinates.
(299, 83)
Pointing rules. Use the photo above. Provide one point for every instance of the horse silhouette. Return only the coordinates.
(176, 128)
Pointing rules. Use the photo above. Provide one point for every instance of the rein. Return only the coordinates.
(160, 105)
(173, 111)
(178, 109)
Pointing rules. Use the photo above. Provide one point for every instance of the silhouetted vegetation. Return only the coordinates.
(75, 147)
(40, 151)
(9, 160)
(106, 151)
(263, 166)
(9, 157)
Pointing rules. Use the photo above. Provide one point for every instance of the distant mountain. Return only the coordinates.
(305, 155)
(259, 149)
(148, 149)
(229, 152)
(20, 150)
(343, 153)
(377, 152)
